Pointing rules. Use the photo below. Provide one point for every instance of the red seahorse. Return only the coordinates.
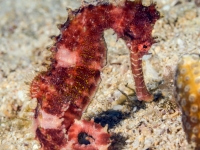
(78, 56)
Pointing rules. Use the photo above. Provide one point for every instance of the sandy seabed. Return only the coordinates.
(25, 27)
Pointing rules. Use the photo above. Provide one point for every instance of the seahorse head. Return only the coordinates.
(139, 28)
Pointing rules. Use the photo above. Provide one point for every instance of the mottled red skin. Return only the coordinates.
(72, 86)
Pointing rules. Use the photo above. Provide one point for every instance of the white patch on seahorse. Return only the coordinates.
(66, 58)
(95, 65)
(48, 121)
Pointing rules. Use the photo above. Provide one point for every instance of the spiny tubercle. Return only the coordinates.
(78, 56)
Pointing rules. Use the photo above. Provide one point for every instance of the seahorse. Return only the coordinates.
(64, 91)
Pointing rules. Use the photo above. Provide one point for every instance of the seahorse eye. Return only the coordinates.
(144, 47)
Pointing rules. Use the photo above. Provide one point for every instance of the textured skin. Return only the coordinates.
(78, 56)
(187, 83)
